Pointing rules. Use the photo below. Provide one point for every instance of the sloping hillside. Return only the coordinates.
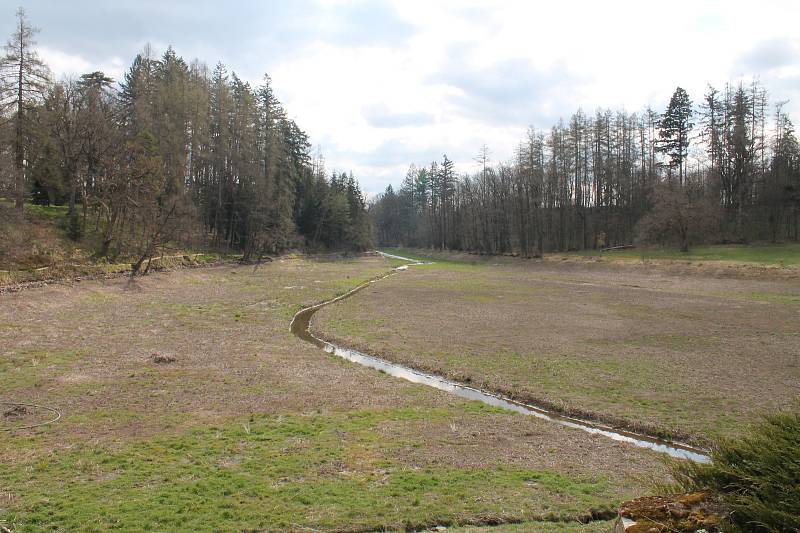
(38, 248)
(37, 241)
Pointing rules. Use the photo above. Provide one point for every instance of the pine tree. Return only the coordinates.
(674, 128)
(220, 138)
(170, 105)
(138, 94)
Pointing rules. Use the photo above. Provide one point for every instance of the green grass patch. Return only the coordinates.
(278, 472)
(32, 368)
(438, 261)
(417, 255)
(52, 213)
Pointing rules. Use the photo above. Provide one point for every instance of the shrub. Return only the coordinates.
(757, 476)
(680, 216)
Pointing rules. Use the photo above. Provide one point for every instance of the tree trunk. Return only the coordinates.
(19, 156)
(684, 240)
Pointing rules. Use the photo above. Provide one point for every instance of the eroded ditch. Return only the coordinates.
(300, 327)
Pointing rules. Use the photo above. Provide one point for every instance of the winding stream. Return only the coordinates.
(300, 327)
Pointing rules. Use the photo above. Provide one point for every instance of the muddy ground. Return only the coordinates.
(686, 350)
(187, 405)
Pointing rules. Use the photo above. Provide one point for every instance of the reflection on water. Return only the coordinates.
(300, 327)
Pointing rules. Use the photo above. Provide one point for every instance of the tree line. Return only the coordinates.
(174, 153)
(727, 170)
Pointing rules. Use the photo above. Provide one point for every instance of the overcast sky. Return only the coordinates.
(379, 85)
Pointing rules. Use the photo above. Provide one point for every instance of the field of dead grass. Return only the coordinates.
(683, 353)
(188, 405)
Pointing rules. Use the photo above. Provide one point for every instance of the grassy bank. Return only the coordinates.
(38, 249)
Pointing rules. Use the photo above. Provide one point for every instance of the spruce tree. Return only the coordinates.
(674, 130)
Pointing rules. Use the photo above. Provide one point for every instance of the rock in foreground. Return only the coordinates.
(696, 511)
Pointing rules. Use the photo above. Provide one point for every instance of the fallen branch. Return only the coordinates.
(615, 248)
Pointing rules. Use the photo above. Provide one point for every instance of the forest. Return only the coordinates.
(726, 170)
(174, 153)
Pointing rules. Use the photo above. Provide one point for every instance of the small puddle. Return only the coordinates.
(300, 327)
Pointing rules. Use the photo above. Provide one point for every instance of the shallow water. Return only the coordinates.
(300, 327)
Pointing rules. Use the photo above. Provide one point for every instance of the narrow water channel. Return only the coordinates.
(300, 327)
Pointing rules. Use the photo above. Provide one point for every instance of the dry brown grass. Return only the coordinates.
(27, 244)
(684, 353)
(86, 349)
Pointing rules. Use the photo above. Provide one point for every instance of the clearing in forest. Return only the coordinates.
(187, 404)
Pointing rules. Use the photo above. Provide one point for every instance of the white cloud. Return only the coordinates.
(376, 97)
(66, 65)
(620, 55)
